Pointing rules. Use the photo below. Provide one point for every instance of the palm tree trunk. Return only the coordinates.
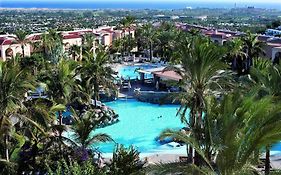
(150, 51)
(60, 132)
(7, 148)
(94, 47)
(22, 49)
(267, 161)
(130, 41)
(96, 91)
(190, 154)
(73, 56)
(60, 117)
(198, 135)
(234, 64)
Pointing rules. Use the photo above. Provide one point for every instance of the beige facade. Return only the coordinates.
(104, 35)
(11, 50)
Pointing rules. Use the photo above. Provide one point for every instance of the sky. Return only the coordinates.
(135, 4)
(232, 1)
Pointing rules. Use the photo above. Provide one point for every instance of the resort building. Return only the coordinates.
(8, 47)
(272, 47)
(218, 37)
(104, 35)
(273, 32)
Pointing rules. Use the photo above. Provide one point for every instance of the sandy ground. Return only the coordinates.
(159, 156)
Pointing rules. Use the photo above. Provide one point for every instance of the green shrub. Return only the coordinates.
(73, 168)
(125, 161)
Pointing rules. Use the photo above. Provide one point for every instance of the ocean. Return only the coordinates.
(130, 5)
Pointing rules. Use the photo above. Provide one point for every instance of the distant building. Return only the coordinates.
(272, 47)
(104, 35)
(202, 18)
(175, 17)
(273, 32)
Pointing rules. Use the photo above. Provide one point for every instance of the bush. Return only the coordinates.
(125, 161)
(73, 168)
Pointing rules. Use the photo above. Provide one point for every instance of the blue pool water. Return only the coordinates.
(140, 124)
(130, 71)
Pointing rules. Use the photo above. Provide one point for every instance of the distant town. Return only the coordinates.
(34, 20)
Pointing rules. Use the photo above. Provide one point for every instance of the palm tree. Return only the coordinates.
(236, 54)
(267, 79)
(203, 74)
(52, 45)
(89, 42)
(126, 23)
(75, 50)
(21, 39)
(43, 112)
(61, 82)
(96, 72)
(14, 83)
(237, 127)
(84, 126)
(165, 43)
(149, 34)
(253, 48)
(118, 46)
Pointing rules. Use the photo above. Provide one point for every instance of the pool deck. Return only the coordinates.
(129, 93)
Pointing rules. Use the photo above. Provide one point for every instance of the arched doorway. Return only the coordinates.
(9, 53)
(67, 47)
(277, 58)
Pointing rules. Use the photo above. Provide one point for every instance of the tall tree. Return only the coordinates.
(149, 34)
(89, 42)
(253, 48)
(237, 126)
(21, 39)
(97, 72)
(126, 24)
(203, 74)
(165, 43)
(75, 51)
(267, 79)
(60, 82)
(14, 83)
(83, 127)
(236, 55)
(52, 46)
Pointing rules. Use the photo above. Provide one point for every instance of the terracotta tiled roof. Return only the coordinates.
(108, 30)
(71, 36)
(6, 41)
(171, 75)
(2, 39)
(74, 33)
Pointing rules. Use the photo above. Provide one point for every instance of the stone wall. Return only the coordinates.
(156, 97)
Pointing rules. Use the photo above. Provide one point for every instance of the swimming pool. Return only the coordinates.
(127, 72)
(140, 123)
